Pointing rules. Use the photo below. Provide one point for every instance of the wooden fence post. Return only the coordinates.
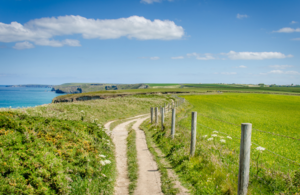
(151, 113)
(156, 115)
(162, 118)
(173, 123)
(193, 133)
(244, 165)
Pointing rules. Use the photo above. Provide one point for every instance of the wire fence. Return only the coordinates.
(262, 168)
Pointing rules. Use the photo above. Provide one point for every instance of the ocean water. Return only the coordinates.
(25, 97)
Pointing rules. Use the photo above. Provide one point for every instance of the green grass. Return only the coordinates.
(73, 122)
(100, 111)
(52, 156)
(214, 168)
(132, 159)
(189, 88)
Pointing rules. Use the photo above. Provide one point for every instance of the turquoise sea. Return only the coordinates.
(24, 96)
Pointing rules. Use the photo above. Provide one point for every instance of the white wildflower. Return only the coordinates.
(209, 139)
(259, 148)
(102, 162)
(229, 137)
(101, 155)
(214, 135)
(204, 136)
(215, 132)
(82, 111)
(223, 140)
(107, 161)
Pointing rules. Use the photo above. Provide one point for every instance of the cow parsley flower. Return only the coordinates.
(229, 137)
(102, 162)
(209, 139)
(223, 140)
(204, 136)
(107, 161)
(101, 155)
(259, 148)
(214, 135)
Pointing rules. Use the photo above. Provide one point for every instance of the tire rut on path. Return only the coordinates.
(149, 177)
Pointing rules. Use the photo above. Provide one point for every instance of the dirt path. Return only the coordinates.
(119, 135)
(149, 181)
(149, 176)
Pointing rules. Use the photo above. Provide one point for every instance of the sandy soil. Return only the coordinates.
(149, 176)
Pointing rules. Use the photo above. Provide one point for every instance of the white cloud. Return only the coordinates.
(291, 72)
(42, 31)
(255, 55)
(296, 39)
(228, 73)
(240, 16)
(242, 66)
(23, 45)
(71, 42)
(207, 56)
(281, 66)
(154, 58)
(288, 30)
(177, 58)
(294, 22)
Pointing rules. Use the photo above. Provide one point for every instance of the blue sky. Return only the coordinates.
(149, 41)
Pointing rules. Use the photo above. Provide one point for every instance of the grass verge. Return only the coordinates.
(167, 184)
(132, 158)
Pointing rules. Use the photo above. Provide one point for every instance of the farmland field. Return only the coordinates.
(276, 125)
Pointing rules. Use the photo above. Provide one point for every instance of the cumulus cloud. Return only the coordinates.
(206, 56)
(255, 55)
(177, 58)
(294, 22)
(281, 66)
(287, 30)
(42, 31)
(240, 16)
(23, 45)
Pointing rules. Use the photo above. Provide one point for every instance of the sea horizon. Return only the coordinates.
(19, 97)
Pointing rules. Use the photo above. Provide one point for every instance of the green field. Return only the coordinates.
(214, 168)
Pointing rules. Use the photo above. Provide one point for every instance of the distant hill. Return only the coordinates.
(72, 88)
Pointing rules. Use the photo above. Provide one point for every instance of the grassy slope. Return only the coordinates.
(85, 114)
(214, 168)
(52, 156)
